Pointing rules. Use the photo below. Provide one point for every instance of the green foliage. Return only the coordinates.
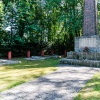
(1, 16)
(98, 16)
(42, 24)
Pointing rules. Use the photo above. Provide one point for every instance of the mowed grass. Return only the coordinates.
(13, 75)
(92, 89)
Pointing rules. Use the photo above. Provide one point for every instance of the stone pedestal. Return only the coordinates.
(83, 55)
(91, 42)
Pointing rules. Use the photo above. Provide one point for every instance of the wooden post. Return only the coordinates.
(28, 54)
(9, 55)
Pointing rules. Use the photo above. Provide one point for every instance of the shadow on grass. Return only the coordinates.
(15, 74)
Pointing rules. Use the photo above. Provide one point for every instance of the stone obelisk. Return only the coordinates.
(90, 37)
(90, 18)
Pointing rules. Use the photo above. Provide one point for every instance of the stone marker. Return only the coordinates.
(87, 47)
(90, 18)
(90, 37)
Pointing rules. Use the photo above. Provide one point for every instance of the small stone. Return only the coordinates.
(59, 57)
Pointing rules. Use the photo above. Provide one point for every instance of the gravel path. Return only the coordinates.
(62, 84)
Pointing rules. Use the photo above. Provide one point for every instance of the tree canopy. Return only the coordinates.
(40, 24)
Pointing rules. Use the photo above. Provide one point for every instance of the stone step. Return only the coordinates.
(42, 57)
(83, 55)
(91, 63)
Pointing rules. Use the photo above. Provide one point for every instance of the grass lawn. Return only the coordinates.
(91, 91)
(13, 75)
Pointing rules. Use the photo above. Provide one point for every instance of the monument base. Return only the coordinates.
(87, 52)
(90, 59)
(91, 43)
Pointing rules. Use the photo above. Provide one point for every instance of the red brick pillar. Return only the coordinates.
(9, 55)
(28, 54)
(42, 53)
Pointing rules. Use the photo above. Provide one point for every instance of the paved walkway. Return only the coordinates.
(62, 84)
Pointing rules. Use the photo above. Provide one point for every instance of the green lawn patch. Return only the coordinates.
(91, 91)
(13, 75)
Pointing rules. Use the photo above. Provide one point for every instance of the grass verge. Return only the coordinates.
(91, 91)
(13, 75)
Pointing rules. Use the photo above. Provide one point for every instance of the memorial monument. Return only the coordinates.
(87, 47)
(90, 18)
(89, 36)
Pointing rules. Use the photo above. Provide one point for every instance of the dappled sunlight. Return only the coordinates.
(91, 94)
(4, 86)
(13, 75)
(31, 65)
(25, 75)
(94, 83)
(92, 89)
(18, 72)
(2, 68)
(87, 89)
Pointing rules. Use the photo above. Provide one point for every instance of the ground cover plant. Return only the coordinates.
(13, 75)
(91, 91)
